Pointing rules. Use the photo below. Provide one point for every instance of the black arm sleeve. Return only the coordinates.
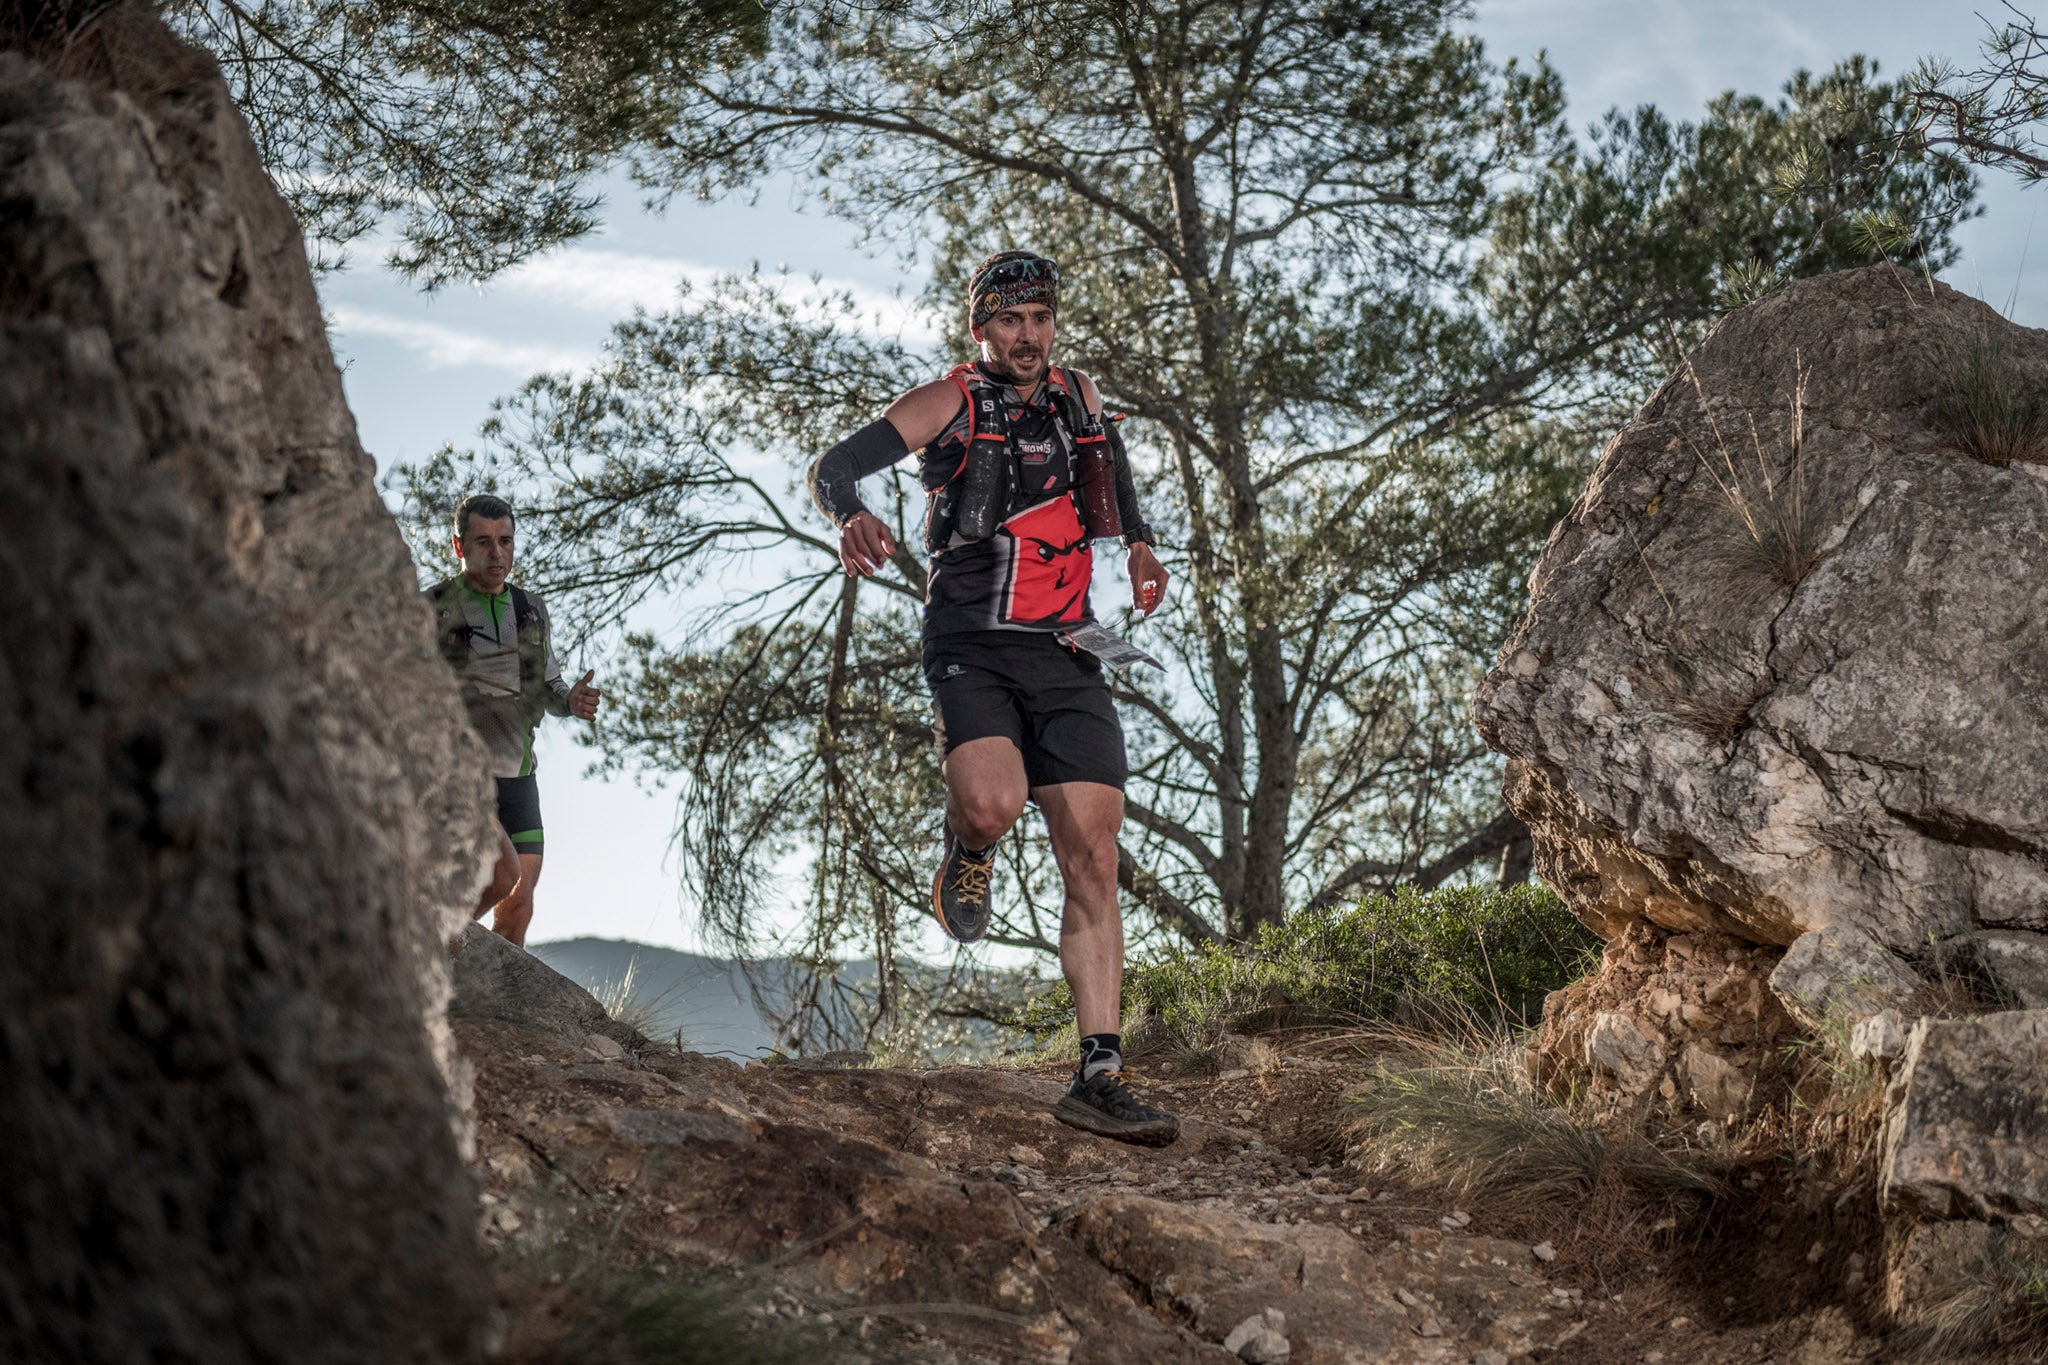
(1135, 528)
(833, 475)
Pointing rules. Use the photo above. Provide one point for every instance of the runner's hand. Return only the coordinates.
(865, 544)
(583, 698)
(1148, 579)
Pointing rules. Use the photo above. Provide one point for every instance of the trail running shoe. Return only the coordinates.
(1105, 1106)
(960, 893)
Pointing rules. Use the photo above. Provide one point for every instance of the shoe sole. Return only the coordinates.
(1143, 1133)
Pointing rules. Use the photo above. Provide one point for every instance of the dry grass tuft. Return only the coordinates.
(1769, 534)
(1454, 1107)
(1989, 411)
(1831, 1126)
(1261, 1057)
(590, 1318)
(1708, 693)
(651, 1016)
(1995, 1302)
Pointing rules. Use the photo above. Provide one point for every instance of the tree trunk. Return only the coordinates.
(1517, 861)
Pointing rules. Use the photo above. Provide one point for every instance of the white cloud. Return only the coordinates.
(446, 347)
(614, 283)
(595, 280)
(1678, 54)
(598, 284)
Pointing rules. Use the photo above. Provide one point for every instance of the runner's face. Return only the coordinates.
(1017, 341)
(486, 553)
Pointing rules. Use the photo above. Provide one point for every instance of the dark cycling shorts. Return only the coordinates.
(1051, 701)
(519, 812)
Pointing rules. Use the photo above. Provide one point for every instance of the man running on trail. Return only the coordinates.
(1020, 471)
(495, 636)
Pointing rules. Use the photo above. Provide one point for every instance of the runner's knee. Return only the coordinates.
(1090, 873)
(981, 818)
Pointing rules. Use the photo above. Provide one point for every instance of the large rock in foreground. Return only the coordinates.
(1783, 667)
(239, 801)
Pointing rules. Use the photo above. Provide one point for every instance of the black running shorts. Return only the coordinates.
(519, 812)
(1049, 700)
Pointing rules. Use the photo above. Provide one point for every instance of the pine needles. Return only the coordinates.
(1996, 1300)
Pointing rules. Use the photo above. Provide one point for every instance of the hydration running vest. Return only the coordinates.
(988, 435)
(453, 633)
(507, 685)
(1029, 566)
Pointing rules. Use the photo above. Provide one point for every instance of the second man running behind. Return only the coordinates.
(495, 637)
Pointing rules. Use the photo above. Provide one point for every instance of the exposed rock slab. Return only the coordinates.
(239, 799)
(1709, 735)
(496, 979)
(2017, 965)
(1842, 975)
(1337, 1297)
(1966, 1114)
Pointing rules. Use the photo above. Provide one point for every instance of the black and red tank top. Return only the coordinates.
(1033, 573)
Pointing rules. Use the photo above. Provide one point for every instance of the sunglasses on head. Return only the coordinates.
(1017, 271)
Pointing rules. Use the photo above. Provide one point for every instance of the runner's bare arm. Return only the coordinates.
(921, 415)
(1090, 399)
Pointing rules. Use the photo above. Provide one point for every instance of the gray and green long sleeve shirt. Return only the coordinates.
(499, 648)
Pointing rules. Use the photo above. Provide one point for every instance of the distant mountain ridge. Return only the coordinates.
(706, 998)
(711, 1001)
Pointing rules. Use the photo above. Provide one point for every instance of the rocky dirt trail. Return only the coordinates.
(942, 1215)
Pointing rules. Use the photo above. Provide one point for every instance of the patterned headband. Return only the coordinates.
(1011, 283)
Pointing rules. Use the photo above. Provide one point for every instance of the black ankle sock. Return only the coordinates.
(1101, 1052)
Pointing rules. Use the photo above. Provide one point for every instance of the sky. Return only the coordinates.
(422, 371)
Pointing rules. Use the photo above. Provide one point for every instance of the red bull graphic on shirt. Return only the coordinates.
(1046, 567)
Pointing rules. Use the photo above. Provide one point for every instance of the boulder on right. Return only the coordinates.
(1783, 676)
(1784, 665)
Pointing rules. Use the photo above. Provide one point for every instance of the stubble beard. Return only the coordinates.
(1006, 368)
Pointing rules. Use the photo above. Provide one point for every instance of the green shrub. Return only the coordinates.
(1410, 955)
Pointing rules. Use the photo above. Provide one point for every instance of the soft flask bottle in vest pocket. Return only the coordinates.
(984, 490)
(1098, 488)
